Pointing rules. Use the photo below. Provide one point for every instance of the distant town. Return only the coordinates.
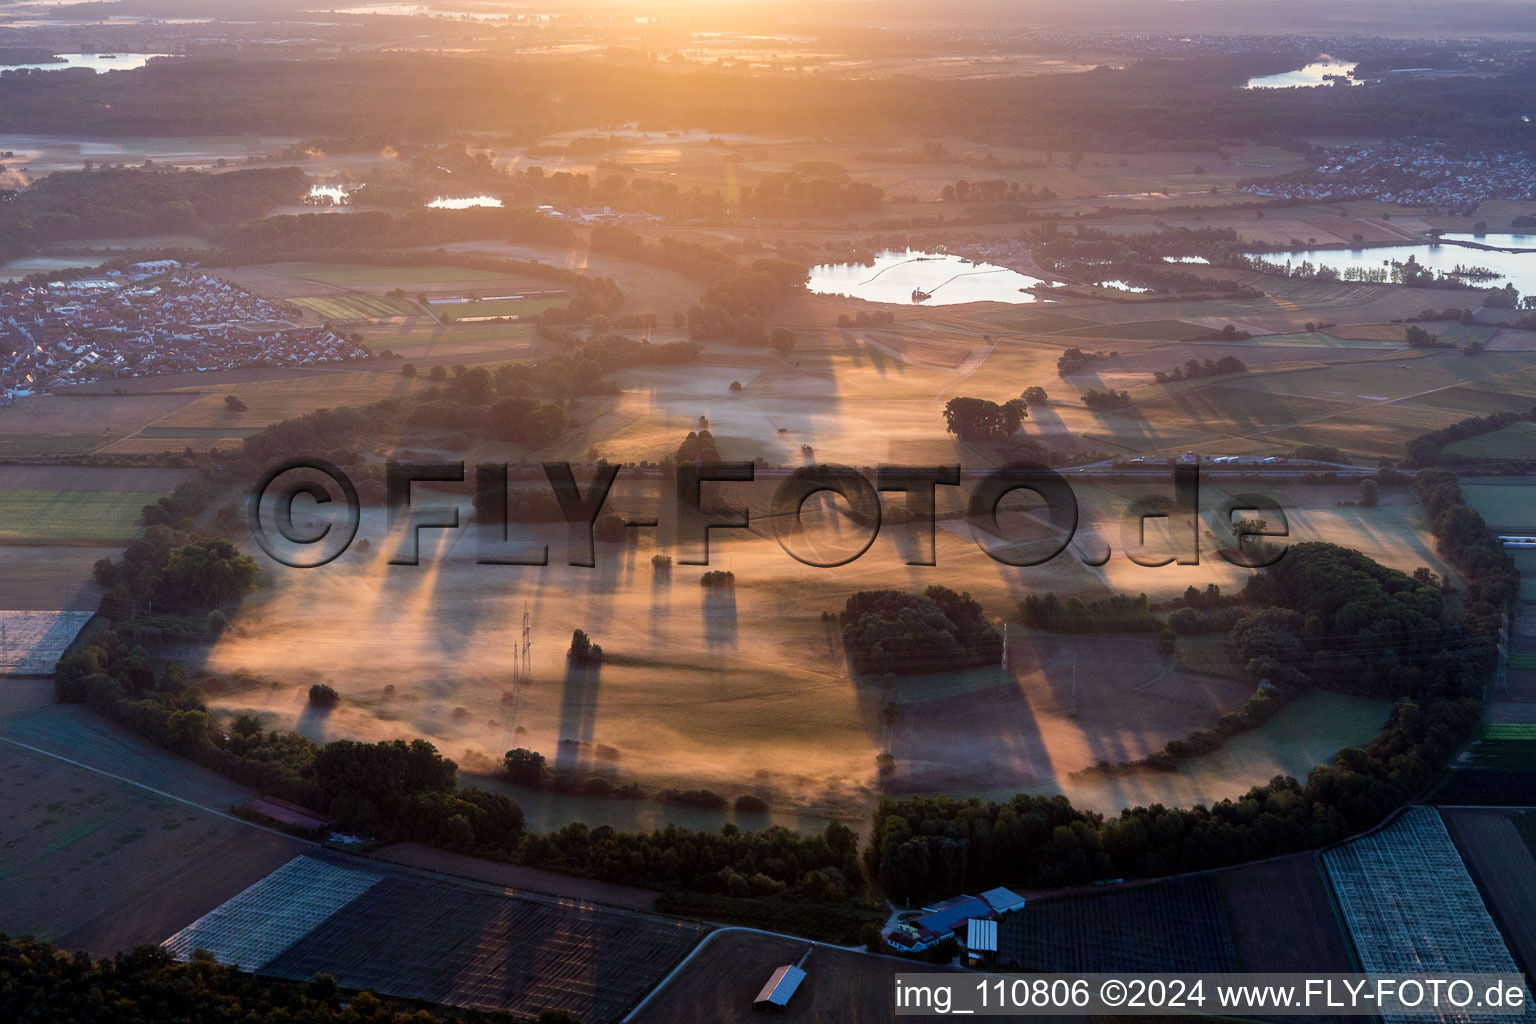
(149, 318)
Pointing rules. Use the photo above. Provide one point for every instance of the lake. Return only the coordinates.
(1312, 74)
(1518, 269)
(946, 279)
(95, 61)
(462, 202)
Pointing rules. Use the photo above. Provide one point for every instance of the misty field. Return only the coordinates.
(747, 690)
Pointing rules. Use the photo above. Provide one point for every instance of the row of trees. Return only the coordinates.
(1428, 448)
(1118, 613)
(1194, 369)
(1465, 541)
(1109, 398)
(925, 847)
(44, 985)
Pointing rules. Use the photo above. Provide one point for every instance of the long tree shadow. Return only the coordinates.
(719, 611)
(578, 714)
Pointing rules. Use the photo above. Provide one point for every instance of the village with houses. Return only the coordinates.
(149, 318)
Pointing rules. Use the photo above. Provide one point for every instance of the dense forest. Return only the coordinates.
(891, 631)
(1177, 104)
(133, 201)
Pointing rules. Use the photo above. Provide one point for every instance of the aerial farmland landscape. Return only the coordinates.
(614, 513)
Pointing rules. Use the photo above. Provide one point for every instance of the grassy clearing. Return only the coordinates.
(1209, 655)
(1319, 339)
(525, 308)
(1306, 732)
(1516, 441)
(1507, 504)
(71, 517)
(1032, 322)
(356, 307)
(1145, 330)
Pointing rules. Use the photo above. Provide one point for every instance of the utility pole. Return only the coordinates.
(1004, 666)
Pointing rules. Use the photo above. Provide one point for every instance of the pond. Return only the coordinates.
(95, 61)
(934, 279)
(1518, 269)
(463, 202)
(1316, 73)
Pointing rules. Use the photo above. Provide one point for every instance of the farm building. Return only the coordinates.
(779, 988)
(1002, 900)
(980, 940)
(950, 919)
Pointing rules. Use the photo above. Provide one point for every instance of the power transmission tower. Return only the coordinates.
(527, 668)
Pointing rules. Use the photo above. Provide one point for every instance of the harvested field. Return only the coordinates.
(403, 934)
(719, 983)
(1502, 864)
(91, 478)
(365, 276)
(1282, 917)
(646, 288)
(79, 734)
(516, 877)
(48, 577)
(1166, 926)
(205, 421)
(102, 865)
(74, 424)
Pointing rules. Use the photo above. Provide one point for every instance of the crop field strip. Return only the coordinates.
(1410, 904)
(1176, 925)
(1502, 864)
(356, 307)
(264, 920)
(457, 944)
(31, 642)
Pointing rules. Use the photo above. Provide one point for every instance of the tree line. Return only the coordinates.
(42, 984)
(1427, 449)
(1323, 615)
